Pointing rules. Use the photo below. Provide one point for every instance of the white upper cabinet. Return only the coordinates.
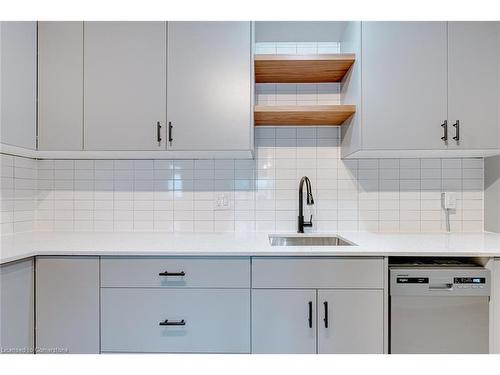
(124, 85)
(417, 80)
(209, 85)
(60, 85)
(18, 84)
(474, 84)
(103, 89)
(404, 85)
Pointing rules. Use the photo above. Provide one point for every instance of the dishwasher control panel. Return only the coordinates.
(451, 281)
(469, 280)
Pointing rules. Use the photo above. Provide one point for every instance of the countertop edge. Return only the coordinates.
(31, 244)
(244, 254)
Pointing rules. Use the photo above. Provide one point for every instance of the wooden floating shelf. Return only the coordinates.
(302, 115)
(302, 68)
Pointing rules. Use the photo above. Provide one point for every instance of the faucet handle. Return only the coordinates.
(310, 222)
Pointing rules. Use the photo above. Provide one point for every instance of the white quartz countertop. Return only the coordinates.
(22, 245)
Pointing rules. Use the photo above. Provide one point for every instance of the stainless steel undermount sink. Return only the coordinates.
(275, 240)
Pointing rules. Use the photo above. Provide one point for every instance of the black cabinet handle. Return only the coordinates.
(158, 131)
(444, 125)
(456, 125)
(310, 320)
(167, 322)
(166, 273)
(170, 127)
(325, 305)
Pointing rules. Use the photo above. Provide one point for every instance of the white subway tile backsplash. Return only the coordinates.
(104, 164)
(18, 193)
(64, 164)
(430, 163)
(409, 163)
(473, 163)
(451, 173)
(84, 164)
(451, 163)
(387, 195)
(476, 173)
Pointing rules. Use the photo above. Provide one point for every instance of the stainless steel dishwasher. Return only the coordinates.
(439, 307)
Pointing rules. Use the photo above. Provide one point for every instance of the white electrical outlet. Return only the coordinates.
(222, 201)
(449, 200)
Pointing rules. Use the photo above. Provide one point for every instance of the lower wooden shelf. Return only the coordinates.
(302, 115)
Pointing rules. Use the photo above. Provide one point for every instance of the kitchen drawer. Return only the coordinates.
(317, 272)
(213, 272)
(216, 320)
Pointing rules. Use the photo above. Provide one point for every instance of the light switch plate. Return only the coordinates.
(222, 201)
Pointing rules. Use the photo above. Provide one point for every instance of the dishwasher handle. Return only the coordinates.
(447, 286)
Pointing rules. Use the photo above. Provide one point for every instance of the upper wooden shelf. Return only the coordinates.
(302, 115)
(302, 68)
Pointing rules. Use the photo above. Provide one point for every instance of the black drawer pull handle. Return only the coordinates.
(325, 304)
(310, 320)
(166, 273)
(170, 128)
(166, 322)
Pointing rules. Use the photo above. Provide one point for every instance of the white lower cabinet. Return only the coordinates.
(16, 307)
(307, 321)
(284, 321)
(292, 305)
(175, 320)
(317, 305)
(350, 321)
(67, 304)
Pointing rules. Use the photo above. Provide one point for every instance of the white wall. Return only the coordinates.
(492, 194)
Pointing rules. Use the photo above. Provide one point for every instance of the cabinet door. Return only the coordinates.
(209, 85)
(60, 85)
(67, 304)
(17, 307)
(404, 85)
(18, 83)
(284, 321)
(474, 83)
(350, 321)
(495, 309)
(124, 85)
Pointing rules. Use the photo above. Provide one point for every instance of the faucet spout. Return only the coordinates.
(309, 201)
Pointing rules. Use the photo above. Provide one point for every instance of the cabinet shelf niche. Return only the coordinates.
(313, 115)
(321, 68)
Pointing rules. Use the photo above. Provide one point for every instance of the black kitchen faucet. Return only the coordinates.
(309, 201)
